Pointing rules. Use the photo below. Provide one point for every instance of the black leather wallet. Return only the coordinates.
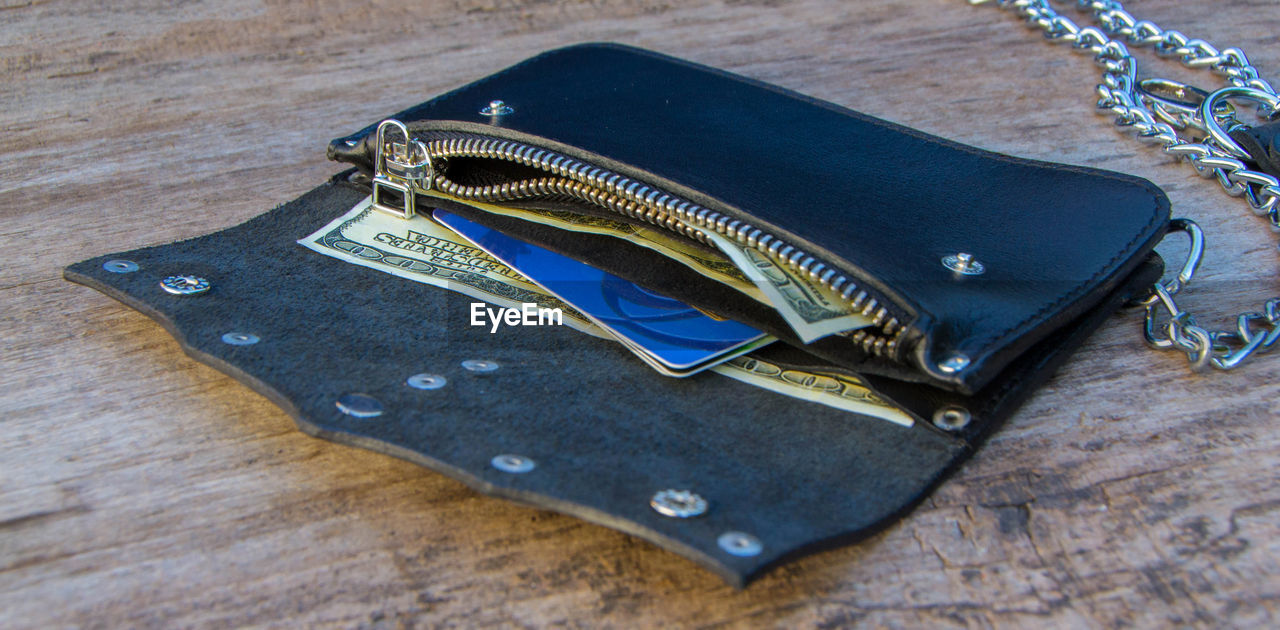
(980, 271)
(870, 208)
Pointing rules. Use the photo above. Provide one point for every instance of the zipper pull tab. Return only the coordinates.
(400, 171)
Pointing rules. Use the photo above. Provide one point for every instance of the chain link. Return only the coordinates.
(1148, 117)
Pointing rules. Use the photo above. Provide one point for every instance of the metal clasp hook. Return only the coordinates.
(1179, 104)
(1189, 266)
(1268, 105)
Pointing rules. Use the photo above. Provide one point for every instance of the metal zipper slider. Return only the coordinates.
(399, 169)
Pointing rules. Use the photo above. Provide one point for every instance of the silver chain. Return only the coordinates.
(1156, 110)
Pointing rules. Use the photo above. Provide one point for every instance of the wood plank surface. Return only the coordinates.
(139, 488)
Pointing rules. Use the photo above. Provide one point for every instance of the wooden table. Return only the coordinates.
(139, 488)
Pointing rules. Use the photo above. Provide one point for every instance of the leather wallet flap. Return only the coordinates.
(878, 201)
(597, 434)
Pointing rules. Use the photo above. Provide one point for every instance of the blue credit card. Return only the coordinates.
(675, 335)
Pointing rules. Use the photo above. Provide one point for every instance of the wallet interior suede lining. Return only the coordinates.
(770, 464)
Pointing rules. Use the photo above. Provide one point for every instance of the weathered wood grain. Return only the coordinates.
(141, 489)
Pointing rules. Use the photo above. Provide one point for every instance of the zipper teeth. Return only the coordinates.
(639, 201)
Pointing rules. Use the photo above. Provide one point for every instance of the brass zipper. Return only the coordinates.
(421, 166)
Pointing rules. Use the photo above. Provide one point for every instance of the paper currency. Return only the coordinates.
(834, 390)
(812, 311)
(421, 249)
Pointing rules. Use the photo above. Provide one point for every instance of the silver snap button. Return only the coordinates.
(516, 464)
(120, 266)
(951, 418)
(426, 381)
(496, 108)
(479, 365)
(185, 285)
(740, 544)
(359, 405)
(240, 339)
(964, 264)
(953, 363)
(678, 503)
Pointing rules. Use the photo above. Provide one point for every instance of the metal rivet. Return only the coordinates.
(240, 339)
(426, 381)
(964, 264)
(740, 544)
(359, 405)
(185, 285)
(951, 418)
(120, 266)
(953, 363)
(513, 463)
(480, 365)
(496, 108)
(678, 503)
